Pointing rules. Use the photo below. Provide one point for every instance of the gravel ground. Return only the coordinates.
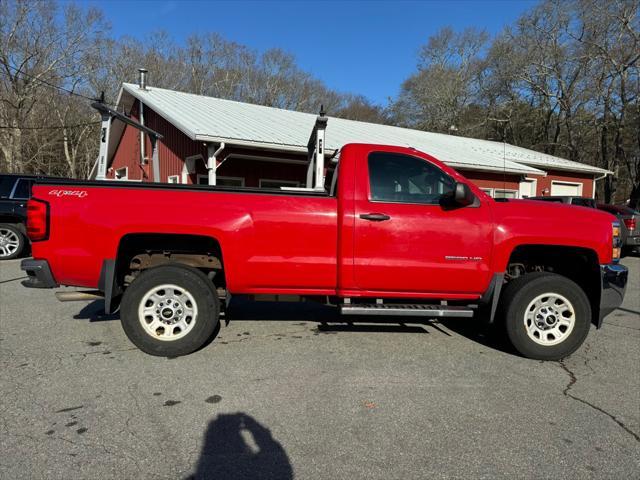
(274, 396)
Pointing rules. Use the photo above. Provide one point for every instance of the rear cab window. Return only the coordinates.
(584, 202)
(22, 190)
(399, 178)
(6, 185)
(547, 199)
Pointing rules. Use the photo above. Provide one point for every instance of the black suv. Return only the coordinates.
(15, 190)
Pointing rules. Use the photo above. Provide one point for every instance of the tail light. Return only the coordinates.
(630, 223)
(37, 220)
(617, 242)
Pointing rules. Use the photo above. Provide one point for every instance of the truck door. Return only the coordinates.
(405, 241)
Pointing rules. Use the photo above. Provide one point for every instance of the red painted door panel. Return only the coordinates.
(416, 245)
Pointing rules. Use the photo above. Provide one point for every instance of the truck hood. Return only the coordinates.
(520, 222)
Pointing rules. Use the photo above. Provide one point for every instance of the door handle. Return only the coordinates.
(375, 217)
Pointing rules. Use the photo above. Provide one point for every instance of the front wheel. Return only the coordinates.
(12, 241)
(170, 310)
(547, 316)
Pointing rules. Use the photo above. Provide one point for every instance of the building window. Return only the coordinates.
(203, 179)
(273, 183)
(488, 191)
(173, 179)
(230, 181)
(122, 173)
(500, 193)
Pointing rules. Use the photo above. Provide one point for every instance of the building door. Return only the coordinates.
(528, 188)
(406, 241)
(566, 188)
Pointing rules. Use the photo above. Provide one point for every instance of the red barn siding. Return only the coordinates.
(544, 183)
(493, 180)
(174, 147)
(252, 170)
(127, 153)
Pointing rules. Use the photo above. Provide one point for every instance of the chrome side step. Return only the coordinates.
(409, 310)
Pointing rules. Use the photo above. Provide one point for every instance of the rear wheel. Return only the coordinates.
(170, 310)
(12, 241)
(547, 316)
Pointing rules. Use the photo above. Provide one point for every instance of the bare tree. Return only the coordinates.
(444, 86)
(38, 50)
(563, 79)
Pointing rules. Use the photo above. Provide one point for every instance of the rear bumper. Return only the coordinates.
(39, 274)
(633, 241)
(614, 284)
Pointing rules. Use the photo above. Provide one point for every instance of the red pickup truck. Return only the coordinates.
(395, 232)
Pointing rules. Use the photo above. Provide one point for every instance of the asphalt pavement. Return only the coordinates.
(275, 395)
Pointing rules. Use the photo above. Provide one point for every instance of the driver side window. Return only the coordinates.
(401, 178)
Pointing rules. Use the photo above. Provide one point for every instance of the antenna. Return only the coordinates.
(504, 158)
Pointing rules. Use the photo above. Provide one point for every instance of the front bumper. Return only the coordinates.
(612, 288)
(39, 274)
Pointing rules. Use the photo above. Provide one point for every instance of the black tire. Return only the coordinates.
(9, 232)
(519, 293)
(190, 281)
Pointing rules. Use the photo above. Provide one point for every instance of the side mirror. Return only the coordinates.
(462, 195)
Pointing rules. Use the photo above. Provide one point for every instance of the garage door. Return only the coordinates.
(566, 188)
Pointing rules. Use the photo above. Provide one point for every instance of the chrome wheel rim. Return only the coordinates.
(9, 242)
(167, 312)
(549, 319)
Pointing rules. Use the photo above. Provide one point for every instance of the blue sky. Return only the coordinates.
(366, 47)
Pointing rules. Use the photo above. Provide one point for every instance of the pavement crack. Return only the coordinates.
(572, 381)
(572, 378)
(13, 279)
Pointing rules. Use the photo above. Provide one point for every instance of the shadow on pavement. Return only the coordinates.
(329, 318)
(236, 447)
(478, 330)
(94, 312)
(245, 309)
(330, 321)
(384, 328)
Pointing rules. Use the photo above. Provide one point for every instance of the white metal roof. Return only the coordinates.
(537, 159)
(210, 119)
